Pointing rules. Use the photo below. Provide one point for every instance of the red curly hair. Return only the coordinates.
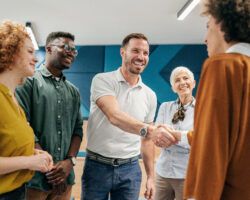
(12, 37)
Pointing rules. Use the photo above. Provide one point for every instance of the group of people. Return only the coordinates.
(204, 141)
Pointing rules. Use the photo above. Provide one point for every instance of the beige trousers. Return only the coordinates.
(168, 188)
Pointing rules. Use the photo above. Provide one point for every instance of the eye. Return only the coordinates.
(31, 51)
(66, 47)
(135, 51)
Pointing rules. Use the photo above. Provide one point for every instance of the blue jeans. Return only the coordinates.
(17, 194)
(101, 181)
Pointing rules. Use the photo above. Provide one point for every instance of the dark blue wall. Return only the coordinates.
(163, 58)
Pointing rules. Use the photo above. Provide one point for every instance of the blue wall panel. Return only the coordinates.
(112, 58)
(163, 58)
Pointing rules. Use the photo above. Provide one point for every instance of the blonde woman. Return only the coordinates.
(179, 114)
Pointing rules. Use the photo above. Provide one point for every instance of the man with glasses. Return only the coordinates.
(52, 107)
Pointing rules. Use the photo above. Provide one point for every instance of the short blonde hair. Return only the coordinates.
(178, 70)
(12, 37)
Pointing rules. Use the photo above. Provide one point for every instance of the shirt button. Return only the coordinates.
(59, 101)
(59, 132)
(59, 116)
(59, 149)
(57, 86)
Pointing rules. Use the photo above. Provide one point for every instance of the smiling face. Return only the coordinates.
(183, 84)
(25, 59)
(60, 58)
(135, 56)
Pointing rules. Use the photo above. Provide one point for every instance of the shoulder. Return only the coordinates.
(105, 74)
(225, 66)
(227, 59)
(167, 104)
(72, 86)
(108, 76)
(148, 90)
(105, 80)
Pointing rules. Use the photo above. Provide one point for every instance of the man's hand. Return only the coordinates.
(163, 136)
(60, 172)
(150, 189)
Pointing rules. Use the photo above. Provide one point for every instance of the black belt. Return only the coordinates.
(110, 161)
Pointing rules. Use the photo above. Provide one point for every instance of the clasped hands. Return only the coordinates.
(56, 174)
(164, 136)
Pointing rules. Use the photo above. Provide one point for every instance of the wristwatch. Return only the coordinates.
(143, 131)
(72, 159)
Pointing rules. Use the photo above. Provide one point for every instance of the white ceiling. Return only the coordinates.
(102, 22)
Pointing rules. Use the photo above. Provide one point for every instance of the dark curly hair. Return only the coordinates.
(54, 35)
(133, 35)
(234, 16)
(12, 37)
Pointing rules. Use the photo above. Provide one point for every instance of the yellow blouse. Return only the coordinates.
(16, 139)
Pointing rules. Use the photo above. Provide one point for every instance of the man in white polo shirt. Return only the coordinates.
(122, 109)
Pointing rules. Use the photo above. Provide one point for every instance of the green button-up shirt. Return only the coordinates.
(52, 107)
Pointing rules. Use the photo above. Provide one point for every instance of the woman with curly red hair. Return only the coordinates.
(18, 157)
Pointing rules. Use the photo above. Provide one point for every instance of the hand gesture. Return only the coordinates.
(163, 136)
(150, 189)
(59, 172)
(40, 161)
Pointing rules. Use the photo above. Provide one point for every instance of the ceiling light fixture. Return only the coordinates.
(31, 34)
(186, 9)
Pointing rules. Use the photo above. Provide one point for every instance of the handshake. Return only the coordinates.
(163, 135)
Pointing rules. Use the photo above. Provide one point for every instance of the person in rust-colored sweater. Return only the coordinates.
(219, 164)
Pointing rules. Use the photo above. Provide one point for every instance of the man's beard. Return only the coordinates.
(133, 70)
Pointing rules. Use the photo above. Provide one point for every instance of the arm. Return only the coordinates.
(184, 138)
(102, 92)
(190, 137)
(41, 161)
(148, 156)
(110, 107)
(210, 155)
(24, 95)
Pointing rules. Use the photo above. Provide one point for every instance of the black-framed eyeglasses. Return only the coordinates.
(179, 115)
(67, 48)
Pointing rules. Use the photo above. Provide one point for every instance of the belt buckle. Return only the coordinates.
(115, 162)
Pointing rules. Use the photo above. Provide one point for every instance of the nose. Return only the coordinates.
(182, 81)
(70, 53)
(35, 60)
(205, 39)
(140, 55)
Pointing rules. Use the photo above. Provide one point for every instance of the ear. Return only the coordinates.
(122, 51)
(194, 84)
(48, 49)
